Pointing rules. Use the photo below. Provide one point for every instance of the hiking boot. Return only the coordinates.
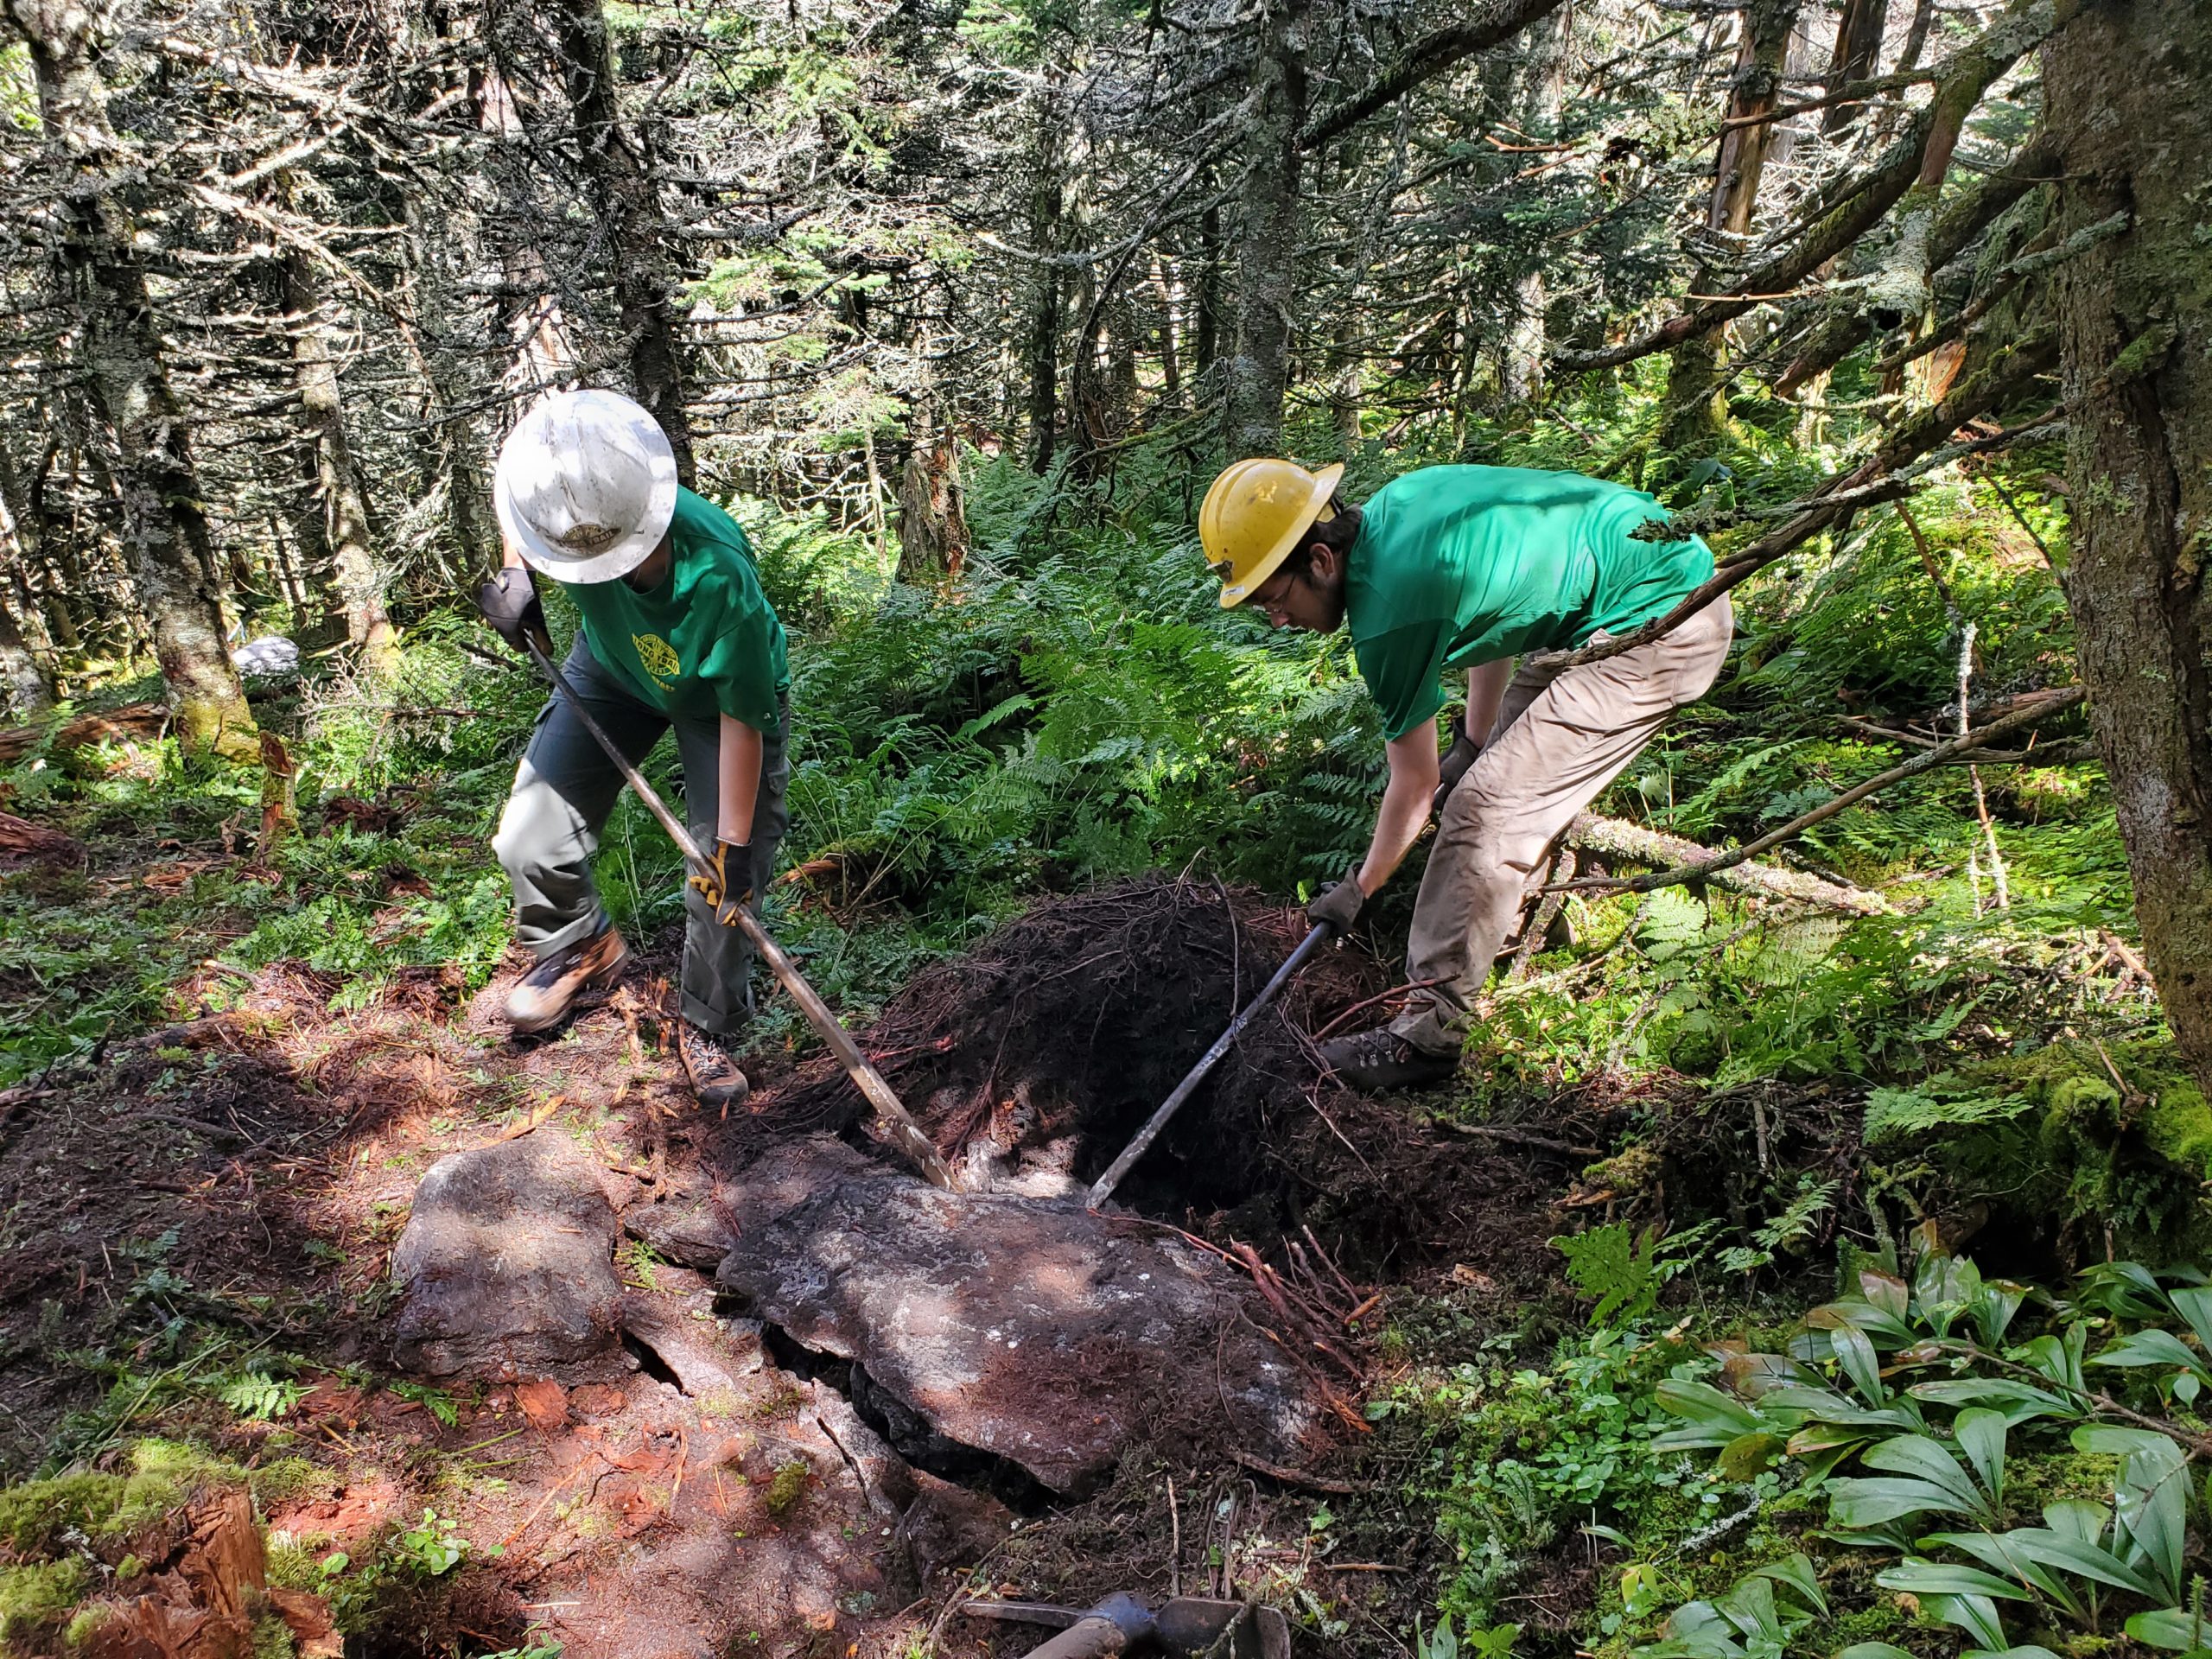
(1377, 1059)
(548, 993)
(715, 1079)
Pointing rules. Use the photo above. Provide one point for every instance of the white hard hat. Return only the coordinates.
(586, 485)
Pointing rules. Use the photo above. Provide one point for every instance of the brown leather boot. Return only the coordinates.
(716, 1078)
(1371, 1061)
(549, 992)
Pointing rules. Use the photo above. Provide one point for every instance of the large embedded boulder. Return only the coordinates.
(508, 1267)
(1033, 1330)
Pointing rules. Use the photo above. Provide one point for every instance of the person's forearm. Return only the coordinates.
(1405, 805)
(510, 555)
(1486, 685)
(1397, 825)
(740, 782)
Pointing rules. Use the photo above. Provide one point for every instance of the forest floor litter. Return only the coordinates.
(689, 1382)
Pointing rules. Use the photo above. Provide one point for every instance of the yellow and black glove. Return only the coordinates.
(726, 883)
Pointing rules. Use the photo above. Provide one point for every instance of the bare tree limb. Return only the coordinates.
(1426, 57)
(1861, 203)
(1707, 870)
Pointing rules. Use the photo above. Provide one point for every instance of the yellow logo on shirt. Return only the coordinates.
(659, 658)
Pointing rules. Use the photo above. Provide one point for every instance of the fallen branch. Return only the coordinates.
(1513, 1137)
(1709, 868)
(1617, 838)
(1289, 1476)
(2059, 754)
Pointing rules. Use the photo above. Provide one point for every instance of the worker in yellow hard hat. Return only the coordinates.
(1448, 569)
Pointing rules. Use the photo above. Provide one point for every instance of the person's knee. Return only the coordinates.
(529, 837)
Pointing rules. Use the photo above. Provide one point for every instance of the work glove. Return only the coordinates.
(727, 882)
(1338, 904)
(1457, 759)
(509, 602)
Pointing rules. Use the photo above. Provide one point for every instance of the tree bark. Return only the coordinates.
(1697, 414)
(350, 583)
(1047, 204)
(932, 512)
(25, 680)
(1206, 309)
(25, 689)
(2129, 92)
(163, 525)
(1537, 100)
(1858, 45)
(47, 623)
(632, 227)
(1258, 374)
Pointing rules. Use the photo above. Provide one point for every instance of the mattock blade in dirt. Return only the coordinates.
(1102, 1189)
(894, 1125)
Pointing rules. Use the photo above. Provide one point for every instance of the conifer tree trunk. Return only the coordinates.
(163, 526)
(2129, 92)
(1045, 298)
(1696, 412)
(1536, 100)
(26, 681)
(632, 224)
(350, 585)
(1258, 372)
(1206, 306)
(31, 570)
(1857, 47)
(24, 687)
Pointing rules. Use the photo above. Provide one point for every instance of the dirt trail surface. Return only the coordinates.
(797, 1461)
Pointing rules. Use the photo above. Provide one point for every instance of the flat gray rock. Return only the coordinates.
(679, 1220)
(508, 1266)
(1033, 1330)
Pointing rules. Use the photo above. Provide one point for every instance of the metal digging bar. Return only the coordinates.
(1103, 1188)
(1185, 1628)
(894, 1124)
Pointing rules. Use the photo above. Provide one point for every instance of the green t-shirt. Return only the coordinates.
(706, 641)
(1458, 566)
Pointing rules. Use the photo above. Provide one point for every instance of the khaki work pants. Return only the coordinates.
(1560, 737)
(563, 794)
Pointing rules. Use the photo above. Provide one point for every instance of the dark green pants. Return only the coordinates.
(564, 790)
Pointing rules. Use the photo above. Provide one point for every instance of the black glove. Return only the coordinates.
(1338, 904)
(509, 602)
(1457, 759)
(728, 881)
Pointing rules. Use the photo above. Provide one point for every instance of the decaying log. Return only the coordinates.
(1617, 838)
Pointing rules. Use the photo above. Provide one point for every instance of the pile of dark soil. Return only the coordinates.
(1046, 1047)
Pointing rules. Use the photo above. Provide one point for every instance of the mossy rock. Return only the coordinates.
(2123, 1149)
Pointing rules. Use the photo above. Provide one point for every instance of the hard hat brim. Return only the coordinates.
(551, 559)
(1234, 593)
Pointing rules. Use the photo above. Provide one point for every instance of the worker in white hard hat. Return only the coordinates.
(1461, 569)
(677, 634)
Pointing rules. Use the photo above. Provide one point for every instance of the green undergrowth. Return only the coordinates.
(1935, 1462)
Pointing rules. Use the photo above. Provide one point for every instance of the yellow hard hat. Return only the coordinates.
(1254, 514)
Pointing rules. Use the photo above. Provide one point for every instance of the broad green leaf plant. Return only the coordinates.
(1908, 1410)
